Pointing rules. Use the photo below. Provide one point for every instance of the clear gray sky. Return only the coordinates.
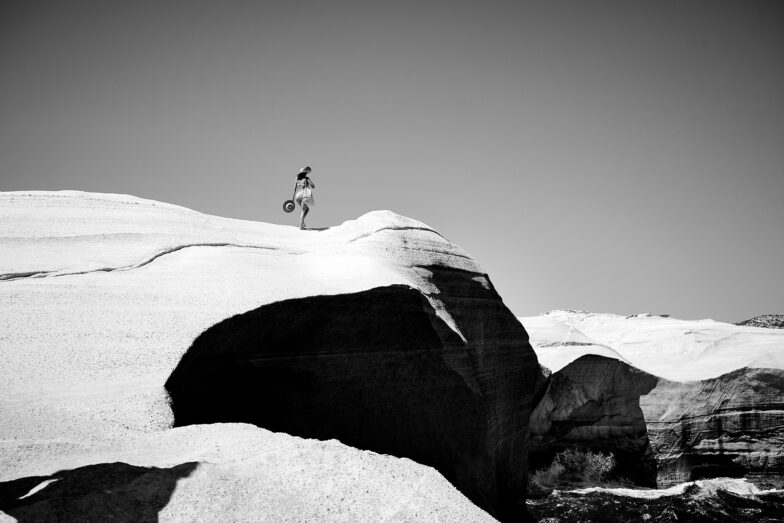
(610, 156)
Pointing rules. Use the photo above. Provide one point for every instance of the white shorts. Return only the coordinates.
(308, 200)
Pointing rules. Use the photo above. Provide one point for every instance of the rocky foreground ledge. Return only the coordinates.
(377, 332)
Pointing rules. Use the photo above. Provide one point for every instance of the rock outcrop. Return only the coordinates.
(593, 404)
(768, 321)
(377, 370)
(728, 426)
(224, 472)
(693, 420)
(102, 297)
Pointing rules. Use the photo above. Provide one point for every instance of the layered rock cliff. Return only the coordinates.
(593, 404)
(728, 426)
(104, 296)
(693, 420)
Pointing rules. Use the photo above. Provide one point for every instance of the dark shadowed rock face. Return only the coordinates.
(730, 426)
(593, 404)
(380, 370)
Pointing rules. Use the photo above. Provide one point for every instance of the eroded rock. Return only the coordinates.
(101, 296)
(694, 425)
(593, 404)
(730, 426)
(380, 370)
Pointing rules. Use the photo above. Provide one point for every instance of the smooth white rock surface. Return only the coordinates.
(678, 350)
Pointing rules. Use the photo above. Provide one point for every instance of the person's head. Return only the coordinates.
(303, 173)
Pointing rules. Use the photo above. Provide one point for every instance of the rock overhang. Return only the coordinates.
(115, 288)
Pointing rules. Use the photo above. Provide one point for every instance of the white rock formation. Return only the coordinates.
(231, 472)
(710, 396)
(101, 295)
(678, 350)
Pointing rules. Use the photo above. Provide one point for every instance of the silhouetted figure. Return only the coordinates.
(303, 194)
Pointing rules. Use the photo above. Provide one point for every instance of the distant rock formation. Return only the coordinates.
(699, 423)
(768, 321)
(404, 347)
(729, 426)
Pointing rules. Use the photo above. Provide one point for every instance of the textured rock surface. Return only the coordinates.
(593, 404)
(708, 423)
(769, 321)
(732, 426)
(377, 370)
(102, 295)
(224, 472)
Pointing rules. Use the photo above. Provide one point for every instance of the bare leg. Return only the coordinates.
(305, 210)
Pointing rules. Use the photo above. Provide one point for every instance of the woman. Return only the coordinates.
(303, 194)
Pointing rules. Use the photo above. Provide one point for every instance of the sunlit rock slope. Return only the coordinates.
(102, 296)
(674, 400)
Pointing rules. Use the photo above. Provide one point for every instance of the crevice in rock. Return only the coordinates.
(50, 274)
(407, 228)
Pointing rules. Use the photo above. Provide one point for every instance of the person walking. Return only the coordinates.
(303, 194)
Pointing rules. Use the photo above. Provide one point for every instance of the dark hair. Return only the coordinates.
(301, 176)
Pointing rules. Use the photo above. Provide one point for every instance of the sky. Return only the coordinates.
(620, 157)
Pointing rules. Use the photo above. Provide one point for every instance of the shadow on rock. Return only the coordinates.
(379, 370)
(115, 492)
